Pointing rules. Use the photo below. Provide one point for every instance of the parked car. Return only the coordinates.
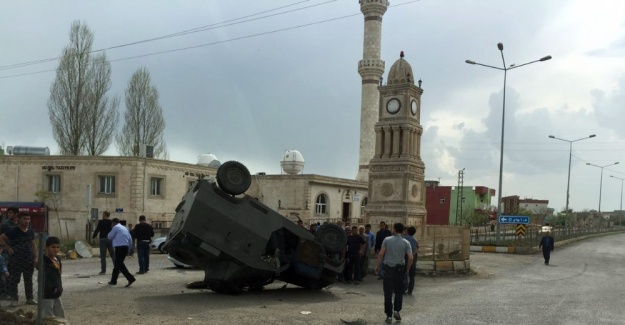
(243, 244)
(177, 263)
(158, 243)
(545, 229)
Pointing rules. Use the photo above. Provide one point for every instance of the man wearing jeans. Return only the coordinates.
(104, 227)
(121, 239)
(394, 252)
(143, 232)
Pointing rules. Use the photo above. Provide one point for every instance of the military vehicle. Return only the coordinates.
(244, 245)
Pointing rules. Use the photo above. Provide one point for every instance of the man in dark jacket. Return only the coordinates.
(379, 239)
(104, 227)
(143, 232)
(547, 244)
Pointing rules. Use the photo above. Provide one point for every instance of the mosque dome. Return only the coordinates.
(401, 72)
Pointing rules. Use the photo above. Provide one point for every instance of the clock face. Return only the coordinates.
(393, 105)
(413, 107)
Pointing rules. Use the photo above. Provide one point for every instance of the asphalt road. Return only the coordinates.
(583, 285)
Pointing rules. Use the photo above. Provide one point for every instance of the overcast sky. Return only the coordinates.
(250, 97)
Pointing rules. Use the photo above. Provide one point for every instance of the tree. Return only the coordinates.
(101, 112)
(144, 123)
(54, 199)
(78, 97)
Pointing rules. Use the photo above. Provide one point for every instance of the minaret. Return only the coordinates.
(396, 173)
(370, 69)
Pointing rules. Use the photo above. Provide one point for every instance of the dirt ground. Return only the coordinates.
(161, 297)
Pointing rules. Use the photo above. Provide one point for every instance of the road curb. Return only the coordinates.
(534, 249)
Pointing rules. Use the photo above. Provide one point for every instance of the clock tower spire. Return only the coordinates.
(370, 69)
(396, 172)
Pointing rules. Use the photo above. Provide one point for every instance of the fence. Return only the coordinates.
(443, 243)
(483, 236)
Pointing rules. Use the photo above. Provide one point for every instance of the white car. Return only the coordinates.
(177, 263)
(157, 244)
(545, 229)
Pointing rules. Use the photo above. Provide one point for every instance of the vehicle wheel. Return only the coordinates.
(160, 248)
(332, 237)
(233, 178)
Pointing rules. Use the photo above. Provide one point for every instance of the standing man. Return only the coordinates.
(414, 245)
(393, 254)
(547, 244)
(379, 238)
(355, 244)
(143, 232)
(103, 228)
(364, 253)
(121, 240)
(20, 243)
(11, 220)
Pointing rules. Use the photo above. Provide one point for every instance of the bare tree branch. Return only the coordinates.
(144, 123)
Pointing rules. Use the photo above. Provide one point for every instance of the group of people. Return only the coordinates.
(19, 259)
(396, 257)
(119, 241)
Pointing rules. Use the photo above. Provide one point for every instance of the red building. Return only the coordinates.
(437, 203)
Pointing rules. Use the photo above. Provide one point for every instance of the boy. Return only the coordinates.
(4, 277)
(53, 288)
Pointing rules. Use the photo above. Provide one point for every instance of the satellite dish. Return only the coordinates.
(83, 249)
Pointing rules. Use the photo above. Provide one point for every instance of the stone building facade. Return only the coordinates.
(131, 186)
(80, 188)
(312, 198)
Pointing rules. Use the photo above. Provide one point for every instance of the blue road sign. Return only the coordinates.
(514, 219)
(119, 210)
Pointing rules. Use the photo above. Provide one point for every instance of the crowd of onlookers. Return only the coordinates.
(362, 245)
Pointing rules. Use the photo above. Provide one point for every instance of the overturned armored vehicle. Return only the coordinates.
(244, 245)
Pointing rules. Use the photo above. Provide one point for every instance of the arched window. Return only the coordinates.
(363, 204)
(321, 204)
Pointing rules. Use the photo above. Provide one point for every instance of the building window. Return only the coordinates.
(156, 186)
(107, 184)
(321, 204)
(54, 183)
(363, 204)
(442, 200)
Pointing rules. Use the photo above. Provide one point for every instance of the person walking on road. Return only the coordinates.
(396, 259)
(121, 239)
(547, 244)
(143, 232)
(414, 245)
(103, 228)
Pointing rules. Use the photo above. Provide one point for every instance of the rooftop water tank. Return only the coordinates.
(32, 151)
(292, 162)
(208, 160)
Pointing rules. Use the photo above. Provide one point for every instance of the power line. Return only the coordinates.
(184, 32)
(223, 41)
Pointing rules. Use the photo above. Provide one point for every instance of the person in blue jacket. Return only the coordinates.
(547, 244)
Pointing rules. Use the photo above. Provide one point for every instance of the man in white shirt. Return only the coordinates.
(121, 240)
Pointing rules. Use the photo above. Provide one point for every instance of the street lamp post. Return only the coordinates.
(620, 212)
(568, 182)
(601, 180)
(503, 119)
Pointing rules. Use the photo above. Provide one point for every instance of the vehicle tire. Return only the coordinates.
(160, 248)
(332, 237)
(233, 178)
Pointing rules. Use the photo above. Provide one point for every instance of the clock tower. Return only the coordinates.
(396, 172)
